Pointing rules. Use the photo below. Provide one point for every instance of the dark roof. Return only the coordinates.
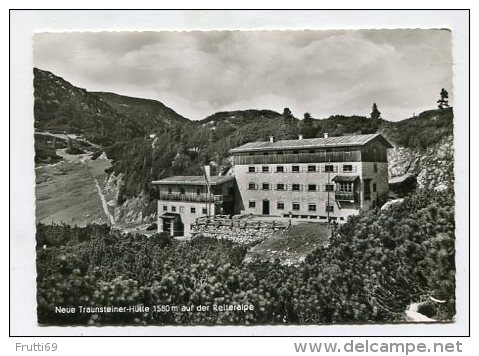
(345, 178)
(401, 179)
(337, 141)
(170, 216)
(194, 180)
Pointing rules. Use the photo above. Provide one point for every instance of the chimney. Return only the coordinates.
(271, 139)
(325, 135)
(300, 137)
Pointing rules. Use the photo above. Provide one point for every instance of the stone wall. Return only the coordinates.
(235, 234)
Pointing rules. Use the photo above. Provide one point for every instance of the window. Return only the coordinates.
(173, 208)
(193, 210)
(345, 187)
(169, 190)
(347, 168)
(295, 206)
(252, 204)
(204, 211)
(279, 169)
(330, 208)
(280, 186)
(295, 169)
(280, 205)
(311, 187)
(279, 153)
(367, 189)
(329, 187)
(165, 207)
(251, 169)
(265, 186)
(295, 152)
(374, 187)
(265, 169)
(198, 191)
(251, 186)
(311, 207)
(296, 187)
(312, 151)
(251, 153)
(329, 168)
(182, 209)
(375, 167)
(182, 190)
(265, 153)
(311, 168)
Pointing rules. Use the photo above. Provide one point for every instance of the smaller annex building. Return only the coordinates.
(182, 199)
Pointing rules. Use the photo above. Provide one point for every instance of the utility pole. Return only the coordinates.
(327, 189)
(208, 191)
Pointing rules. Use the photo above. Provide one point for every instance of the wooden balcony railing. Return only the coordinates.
(193, 197)
(345, 196)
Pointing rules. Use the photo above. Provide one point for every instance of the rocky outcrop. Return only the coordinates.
(138, 209)
(433, 167)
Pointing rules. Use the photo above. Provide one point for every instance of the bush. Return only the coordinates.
(374, 266)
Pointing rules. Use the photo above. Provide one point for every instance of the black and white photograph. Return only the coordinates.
(288, 177)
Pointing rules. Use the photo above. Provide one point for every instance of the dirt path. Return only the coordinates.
(104, 204)
(413, 315)
(66, 137)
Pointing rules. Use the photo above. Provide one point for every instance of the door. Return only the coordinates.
(167, 226)
(265, 207)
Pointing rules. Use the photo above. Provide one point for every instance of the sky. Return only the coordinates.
(202, 72)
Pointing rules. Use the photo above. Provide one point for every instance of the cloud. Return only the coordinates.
(199, 73)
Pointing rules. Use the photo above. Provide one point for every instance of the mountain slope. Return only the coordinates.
(61, 107)
(145, 140)
(152, 115)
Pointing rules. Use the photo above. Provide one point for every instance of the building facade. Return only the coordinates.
(182, 199)
(315, 178)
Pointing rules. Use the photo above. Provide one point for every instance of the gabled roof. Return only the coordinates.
(194, 180)
(337, 141)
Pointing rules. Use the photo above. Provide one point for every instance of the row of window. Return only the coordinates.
(345, 187)
(311, 168)
(294, 206)
(182, 209)
(297, 168)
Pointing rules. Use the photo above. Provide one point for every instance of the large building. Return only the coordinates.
(182, 199)
(315, 178)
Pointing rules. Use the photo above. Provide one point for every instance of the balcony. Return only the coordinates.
(193, 197)
(345, 196)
